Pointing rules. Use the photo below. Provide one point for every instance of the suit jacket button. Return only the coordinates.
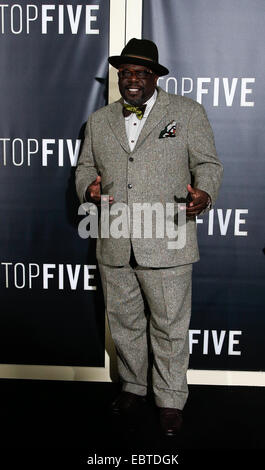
(130, 186)
(131, 159)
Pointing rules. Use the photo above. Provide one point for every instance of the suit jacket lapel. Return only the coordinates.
(155, 116)
(117, 124)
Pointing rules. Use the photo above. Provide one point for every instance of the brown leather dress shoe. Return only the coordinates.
(127, 403)
(170, 421)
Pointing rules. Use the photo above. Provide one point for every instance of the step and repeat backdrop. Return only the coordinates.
(53, 74)
(214, 51)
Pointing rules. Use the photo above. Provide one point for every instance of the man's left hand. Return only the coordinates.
(200, 200)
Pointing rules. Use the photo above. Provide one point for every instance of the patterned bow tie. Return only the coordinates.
(129, 109)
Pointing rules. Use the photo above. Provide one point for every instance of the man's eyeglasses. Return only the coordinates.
(142, 74)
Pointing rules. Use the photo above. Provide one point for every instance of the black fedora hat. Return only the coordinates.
(139, 52)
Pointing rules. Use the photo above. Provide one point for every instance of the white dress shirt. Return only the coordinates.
(134, 125)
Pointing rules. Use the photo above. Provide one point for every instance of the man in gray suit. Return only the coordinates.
(157, 149)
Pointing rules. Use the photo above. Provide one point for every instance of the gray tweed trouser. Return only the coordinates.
(168, 294)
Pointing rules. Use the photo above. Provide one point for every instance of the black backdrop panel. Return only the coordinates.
(215, 53)
(53, 75)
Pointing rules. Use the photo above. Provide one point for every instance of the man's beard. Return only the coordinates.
(136, 99)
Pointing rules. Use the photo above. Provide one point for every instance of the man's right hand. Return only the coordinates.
(93, 192)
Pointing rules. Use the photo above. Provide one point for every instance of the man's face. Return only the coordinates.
(137, 83)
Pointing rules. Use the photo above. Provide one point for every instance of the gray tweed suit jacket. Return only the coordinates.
(156, 171)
